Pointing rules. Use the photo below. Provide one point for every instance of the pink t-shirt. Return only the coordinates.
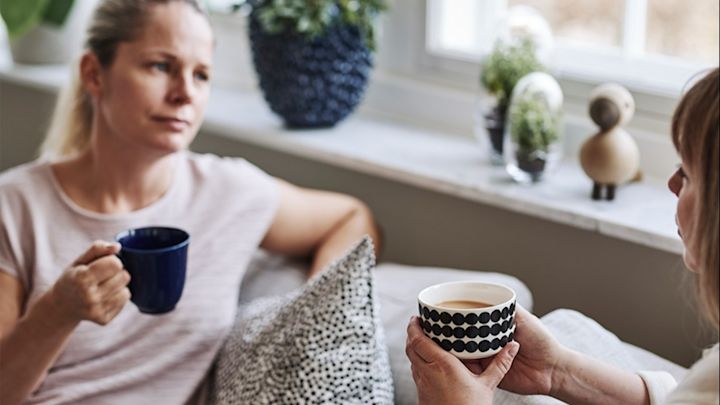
(225, 204)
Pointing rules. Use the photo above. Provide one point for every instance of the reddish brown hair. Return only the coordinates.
(696, 134)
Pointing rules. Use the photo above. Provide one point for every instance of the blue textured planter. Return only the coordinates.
(311, 83)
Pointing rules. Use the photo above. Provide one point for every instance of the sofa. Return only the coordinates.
(396, 288)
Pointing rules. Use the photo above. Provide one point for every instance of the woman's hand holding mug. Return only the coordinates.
(539, 363)
(94, 287)
(441, 378)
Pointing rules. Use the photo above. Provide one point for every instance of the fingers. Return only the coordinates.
(530, 330)
(118, 301)
(521, 315)
(527, 325)
(415, 359)
(113, 306)
(105, 267)
(423, 346)
(499, 366)
(97, 250)
(476, 366)
(115, 283)
(415, 337)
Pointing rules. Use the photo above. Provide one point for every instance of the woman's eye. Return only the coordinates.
(161, 66)
(202, 76)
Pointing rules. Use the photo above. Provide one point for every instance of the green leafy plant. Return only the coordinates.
(20, 16)
(507, 63)
(313, 17)
(533, 125)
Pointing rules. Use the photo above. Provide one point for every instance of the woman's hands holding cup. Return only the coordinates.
(94, 287)
(536, 368)
(537, 365)
(442, 378)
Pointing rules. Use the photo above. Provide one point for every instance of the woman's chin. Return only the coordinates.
(172, 143)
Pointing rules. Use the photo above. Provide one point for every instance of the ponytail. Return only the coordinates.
(69, 132)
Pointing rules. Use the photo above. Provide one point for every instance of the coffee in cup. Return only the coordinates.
(463, 304)
(469, 319)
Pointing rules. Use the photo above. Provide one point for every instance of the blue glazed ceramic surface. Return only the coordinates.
(156, 258)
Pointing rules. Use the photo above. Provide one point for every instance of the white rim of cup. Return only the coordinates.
(450, 283)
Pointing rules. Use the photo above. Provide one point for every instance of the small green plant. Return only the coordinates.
(20, 16)
(313, 17)
(533, 125)
(507, 63)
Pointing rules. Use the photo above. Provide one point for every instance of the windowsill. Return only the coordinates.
(641, 213)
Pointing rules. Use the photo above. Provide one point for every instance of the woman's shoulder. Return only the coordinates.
(223, 169)
(701, 385)
(24, 178)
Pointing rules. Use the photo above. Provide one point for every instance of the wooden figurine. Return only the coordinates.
(611, 156)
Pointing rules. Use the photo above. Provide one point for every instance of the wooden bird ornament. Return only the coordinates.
(611, 156)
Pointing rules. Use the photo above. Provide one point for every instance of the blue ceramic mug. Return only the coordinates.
(156, 258)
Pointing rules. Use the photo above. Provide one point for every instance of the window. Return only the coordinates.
(674, 28)
(429, 53)
(654, 45)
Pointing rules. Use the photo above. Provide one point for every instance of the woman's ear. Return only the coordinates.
(90, 70)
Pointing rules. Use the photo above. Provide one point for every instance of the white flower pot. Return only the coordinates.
(47, 44)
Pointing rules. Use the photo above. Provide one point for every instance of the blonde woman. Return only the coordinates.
(119, 161)
(543, 366)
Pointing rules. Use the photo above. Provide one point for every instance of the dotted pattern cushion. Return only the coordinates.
(321, 344)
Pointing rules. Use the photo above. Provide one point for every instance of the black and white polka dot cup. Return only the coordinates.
(468, 333)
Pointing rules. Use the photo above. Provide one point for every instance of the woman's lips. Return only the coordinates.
(175, 124)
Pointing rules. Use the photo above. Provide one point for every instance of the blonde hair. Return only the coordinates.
(113, 22)
(696, 135)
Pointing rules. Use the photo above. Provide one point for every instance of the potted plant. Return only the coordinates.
(313, 58)
(534, 127)
(506, 64)
(41, 31)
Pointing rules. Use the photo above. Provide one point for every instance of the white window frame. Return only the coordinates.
(646, 74)
(414, 84)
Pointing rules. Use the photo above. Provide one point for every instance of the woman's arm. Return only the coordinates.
(28, 345)
(320, 224)
(544, 366)
(581, 379)
(93, 288)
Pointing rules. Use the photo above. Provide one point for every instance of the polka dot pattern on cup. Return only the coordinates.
(469, 334)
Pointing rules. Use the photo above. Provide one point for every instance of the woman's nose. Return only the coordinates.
(675, 183)
(182, 91)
